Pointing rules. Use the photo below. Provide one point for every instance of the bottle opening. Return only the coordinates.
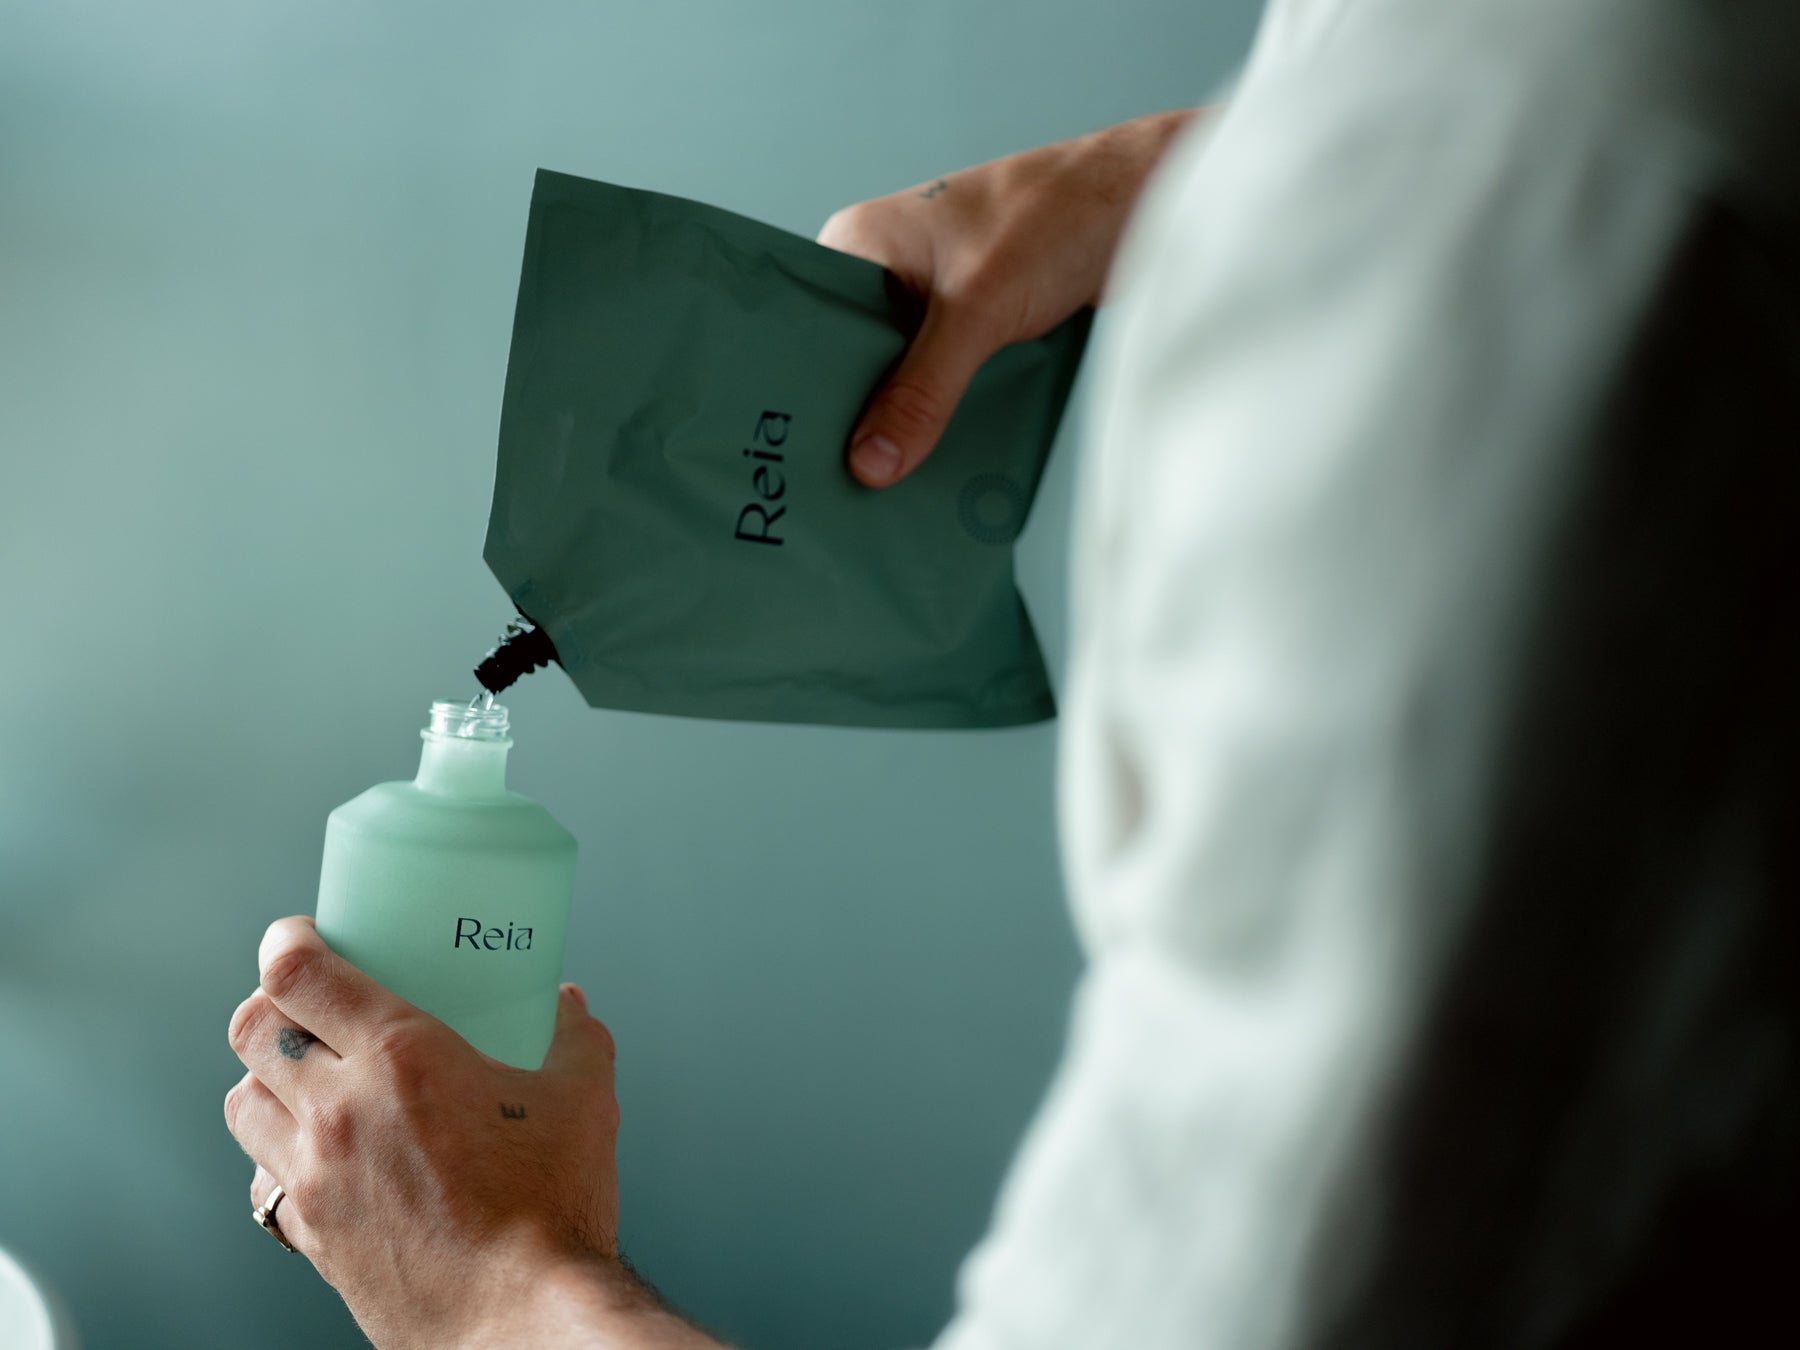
(481, 720)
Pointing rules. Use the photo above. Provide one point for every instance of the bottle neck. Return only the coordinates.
(465, 749)
(455, 766)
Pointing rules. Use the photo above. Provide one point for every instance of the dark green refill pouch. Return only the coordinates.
(672, 506)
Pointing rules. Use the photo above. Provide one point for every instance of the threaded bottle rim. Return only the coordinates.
(453, 719)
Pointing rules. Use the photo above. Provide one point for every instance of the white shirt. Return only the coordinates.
(1426, 631)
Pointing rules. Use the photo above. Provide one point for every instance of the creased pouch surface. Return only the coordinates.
(671, 503)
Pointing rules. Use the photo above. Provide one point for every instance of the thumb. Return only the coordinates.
(581, 1043)
(904, 420)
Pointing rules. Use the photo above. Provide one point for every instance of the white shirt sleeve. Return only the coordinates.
(1313, 537)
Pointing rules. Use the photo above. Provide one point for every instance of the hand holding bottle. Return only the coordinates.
(443, 1193)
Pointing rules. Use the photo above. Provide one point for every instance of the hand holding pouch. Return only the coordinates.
(672, 504)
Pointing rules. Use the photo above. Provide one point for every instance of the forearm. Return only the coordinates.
(1130, 150)
(594, 1305)
(1115, 162)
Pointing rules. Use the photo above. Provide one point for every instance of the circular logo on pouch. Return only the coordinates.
(991, 508)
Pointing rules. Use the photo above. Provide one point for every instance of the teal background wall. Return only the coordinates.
(257, 268)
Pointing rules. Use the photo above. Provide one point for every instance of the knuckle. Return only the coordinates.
(400, 1049)
(288, 968)
(331, 1130)
(602, 1036)
(846, 229)
(244, 1021)
(302, 1193)
(394, 1044)
(836, 225)
(913, 409)
(234, 1105)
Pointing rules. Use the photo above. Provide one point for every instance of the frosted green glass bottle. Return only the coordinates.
(454, 892)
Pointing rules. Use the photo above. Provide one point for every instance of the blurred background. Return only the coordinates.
(257, 271)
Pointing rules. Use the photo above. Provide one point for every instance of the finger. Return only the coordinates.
(261, 1185)
(273, 1048)
(905, 419)
(581, 1045)
(288, 1216)
(264, 1128)
(320, 991)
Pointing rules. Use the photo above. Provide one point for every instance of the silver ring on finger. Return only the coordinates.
(264, 1214)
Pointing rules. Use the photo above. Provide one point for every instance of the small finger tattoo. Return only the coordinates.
(934, 189)
(516, 1112)
(293, 1042)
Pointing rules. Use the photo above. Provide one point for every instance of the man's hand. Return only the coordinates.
(443, 1193)
(1002, 252)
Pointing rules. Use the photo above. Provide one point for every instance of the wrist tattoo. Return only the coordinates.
(515, 1112)
(293, 1043)
(934, 189)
